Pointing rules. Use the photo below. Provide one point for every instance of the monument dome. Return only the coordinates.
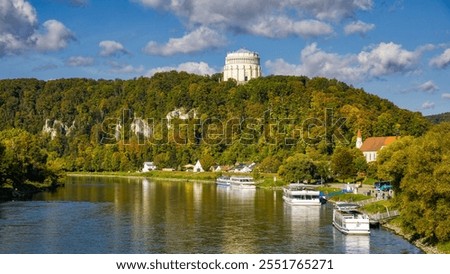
(242, 65)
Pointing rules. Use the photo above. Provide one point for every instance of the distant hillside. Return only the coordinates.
(439, 118)
(175, 118)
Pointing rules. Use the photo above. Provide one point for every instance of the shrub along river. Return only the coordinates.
(136, 215)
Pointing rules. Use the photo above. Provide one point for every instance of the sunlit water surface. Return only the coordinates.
(129, 215)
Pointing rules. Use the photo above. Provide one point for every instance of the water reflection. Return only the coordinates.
(237, 194)
(237, 216)
(117, 215)
(352, 244)
(306, 225)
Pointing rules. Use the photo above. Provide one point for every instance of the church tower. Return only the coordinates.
(359, 141)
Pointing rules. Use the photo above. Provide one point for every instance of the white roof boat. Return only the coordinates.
(223, 181)
(301, 194)
(236, 181)
(349, 220)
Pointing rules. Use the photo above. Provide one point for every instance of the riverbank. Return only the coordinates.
(26, 191)
(394, 228)
(155, 175)
(264, 180)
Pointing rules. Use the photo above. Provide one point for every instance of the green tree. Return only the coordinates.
(359, 161)
(162, 160)
(23, 159)
(419, 170)
(342, 163)
(207, 161)
(3, 165)
(424, 191)
(392, 161)
(270, 164)
(297, 168)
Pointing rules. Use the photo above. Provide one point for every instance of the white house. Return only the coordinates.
(198, 167)
(148, 166)
(243, 168)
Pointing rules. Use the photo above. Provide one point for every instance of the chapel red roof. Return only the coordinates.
(376, 143)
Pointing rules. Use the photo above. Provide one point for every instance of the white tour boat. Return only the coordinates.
(301, 194)
(349, 220)
(236, 181)
(223, 181)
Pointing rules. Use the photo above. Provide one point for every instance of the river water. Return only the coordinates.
(139, 216)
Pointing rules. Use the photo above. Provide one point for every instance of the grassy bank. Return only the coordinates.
(156, 174)
(264, 180)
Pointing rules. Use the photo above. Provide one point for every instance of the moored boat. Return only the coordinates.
(223, 181)
(349, 220)
(236, 181)
(242, 182)
(301, 194)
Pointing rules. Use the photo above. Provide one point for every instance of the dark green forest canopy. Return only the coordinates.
(439, 118)
(274, 116)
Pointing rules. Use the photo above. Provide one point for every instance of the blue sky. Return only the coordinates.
(398, 49)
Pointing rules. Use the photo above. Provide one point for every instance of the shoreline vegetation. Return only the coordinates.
(26, 190)
(265, 181)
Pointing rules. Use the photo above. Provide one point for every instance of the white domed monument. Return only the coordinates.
(242, 65)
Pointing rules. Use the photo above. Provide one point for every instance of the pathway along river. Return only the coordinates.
(135, 215)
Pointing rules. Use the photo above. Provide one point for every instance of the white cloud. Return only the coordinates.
(428, 105)
(18, 21)
(110, 48)
(80, 61)
(200, 68)
(428, 86)
(251, 16)
(445, 96)
(333, 9)
(441, 61)
(200, 39)
(380, 60)
(55, 37)
(45, 67)
(276, 27)
(358, 27)
(119, 68)
(388, 58)
(19, 29)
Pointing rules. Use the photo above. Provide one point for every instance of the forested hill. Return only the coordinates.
(439, 118)
(176, 118)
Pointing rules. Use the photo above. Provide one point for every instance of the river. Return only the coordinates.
(105, 215)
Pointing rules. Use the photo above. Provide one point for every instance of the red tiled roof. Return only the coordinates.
(376, 143)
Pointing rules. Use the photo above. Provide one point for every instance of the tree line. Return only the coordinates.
(266, 120)
(419, 169)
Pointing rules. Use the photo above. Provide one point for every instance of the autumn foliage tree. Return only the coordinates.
(420, 171)
(297, 168)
